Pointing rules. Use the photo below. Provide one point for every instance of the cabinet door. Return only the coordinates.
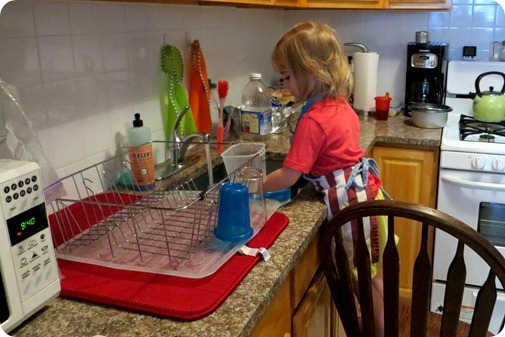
(313, 316)
(408, 175)
(276, 320)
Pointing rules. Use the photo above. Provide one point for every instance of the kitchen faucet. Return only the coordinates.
(180, 146)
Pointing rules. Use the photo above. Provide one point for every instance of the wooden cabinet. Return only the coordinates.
(408, 175)
(276, 321)
(303, 306)
(419, 4)
(353, 4)
(315, 4)
(313, 315)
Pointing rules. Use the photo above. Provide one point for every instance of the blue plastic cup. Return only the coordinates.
(233, 219)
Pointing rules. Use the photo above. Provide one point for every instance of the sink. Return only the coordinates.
(166, 170)
(201, 182)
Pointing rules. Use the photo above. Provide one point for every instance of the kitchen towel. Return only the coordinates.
(199, 90)
(163, 295)
(365, 80)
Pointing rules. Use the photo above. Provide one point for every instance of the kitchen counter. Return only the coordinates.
(239, 313)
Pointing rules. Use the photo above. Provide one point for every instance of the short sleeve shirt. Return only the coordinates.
(326, 139)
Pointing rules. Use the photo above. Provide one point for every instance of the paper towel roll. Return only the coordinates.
(365, 80)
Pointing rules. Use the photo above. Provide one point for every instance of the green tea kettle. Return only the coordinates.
(489, 106)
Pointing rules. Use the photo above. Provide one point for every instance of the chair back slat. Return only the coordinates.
(340, 283)
(455, 286)
(421, 287)
(391, 268)
(345, 289)
(364, 281)
(484, 304)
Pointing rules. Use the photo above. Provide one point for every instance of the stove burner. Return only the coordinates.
(486, 138)
(469, 126)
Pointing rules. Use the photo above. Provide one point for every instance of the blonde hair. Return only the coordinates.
(311, 50)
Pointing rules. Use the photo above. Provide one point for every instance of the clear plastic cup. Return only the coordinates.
(233, 217)
(252, 177)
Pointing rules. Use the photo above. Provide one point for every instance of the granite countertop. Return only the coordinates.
(238, 314)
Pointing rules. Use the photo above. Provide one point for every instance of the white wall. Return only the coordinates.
(82, 69)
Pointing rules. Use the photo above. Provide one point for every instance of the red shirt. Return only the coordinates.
(326, 139)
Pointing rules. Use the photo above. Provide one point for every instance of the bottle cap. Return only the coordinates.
(255, 76)
(137, 122)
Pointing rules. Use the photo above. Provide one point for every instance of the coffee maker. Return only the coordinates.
(425, 80)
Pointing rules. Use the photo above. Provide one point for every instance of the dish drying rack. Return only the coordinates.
(99, 221)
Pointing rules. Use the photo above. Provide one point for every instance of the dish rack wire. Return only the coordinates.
(167, 231)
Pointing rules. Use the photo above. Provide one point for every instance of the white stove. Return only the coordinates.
(471, 185)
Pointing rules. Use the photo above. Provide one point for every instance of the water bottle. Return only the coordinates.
(256, 110)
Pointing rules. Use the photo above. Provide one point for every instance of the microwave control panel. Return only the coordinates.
(27, 247)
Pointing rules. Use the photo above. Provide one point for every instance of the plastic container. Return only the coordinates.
(140, 152)
(233, 218)
(256, 110)
(283, 196)
(382, 107)
(238, 154)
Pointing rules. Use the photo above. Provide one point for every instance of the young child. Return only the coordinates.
(325, 145)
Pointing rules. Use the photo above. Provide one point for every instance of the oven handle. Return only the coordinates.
(473, 184)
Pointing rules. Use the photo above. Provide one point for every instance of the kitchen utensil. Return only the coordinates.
(252, 178)
(233, 218)
(222, 91)
(239, 154)
(382, 107)
(422, 37)
(495, 51)
(199, 90)
(429, 115)
(489, 106)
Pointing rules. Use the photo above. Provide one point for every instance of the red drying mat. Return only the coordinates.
(165, 295)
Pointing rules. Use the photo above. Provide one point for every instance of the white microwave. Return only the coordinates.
(29, 276)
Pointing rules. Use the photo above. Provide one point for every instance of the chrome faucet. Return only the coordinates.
(180, 146)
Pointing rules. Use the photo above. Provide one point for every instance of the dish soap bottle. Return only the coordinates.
(140, 151)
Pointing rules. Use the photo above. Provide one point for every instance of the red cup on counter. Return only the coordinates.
(382, 107)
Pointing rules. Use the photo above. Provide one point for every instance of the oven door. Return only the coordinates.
(477, 199)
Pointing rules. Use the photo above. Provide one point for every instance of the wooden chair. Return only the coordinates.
(422, 321)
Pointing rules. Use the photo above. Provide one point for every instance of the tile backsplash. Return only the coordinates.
(82, 69)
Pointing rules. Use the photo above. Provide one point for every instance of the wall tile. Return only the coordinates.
(84, 17)
(91, 95)
(483, 16)
(56, 58)
(19, 61)
(461, 16)
(88, 56)
(439, 19)
(17, 19)
(61, 98)
(115, 52)
(32, 101)
(51, 18)
(112, 17)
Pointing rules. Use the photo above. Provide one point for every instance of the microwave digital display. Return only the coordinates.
(27, 223)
